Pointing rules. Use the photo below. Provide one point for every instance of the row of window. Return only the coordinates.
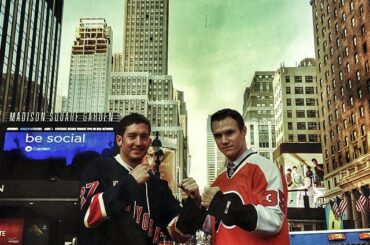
(300, 102)
(303, 113)
(298, 79)
(302, 125)
(301, 90)
(312, 138)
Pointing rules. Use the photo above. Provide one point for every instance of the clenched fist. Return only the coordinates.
(208, 195)
(190, 187)
(141, 173)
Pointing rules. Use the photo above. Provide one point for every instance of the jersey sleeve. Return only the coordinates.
(99, 199)
(271, 207)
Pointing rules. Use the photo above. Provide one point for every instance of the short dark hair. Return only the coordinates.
(313, 159)
(133, 118)
(224, 113)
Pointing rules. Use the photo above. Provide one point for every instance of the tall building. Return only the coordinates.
(145, 42)
(296, 116)
(342, 34)
(215, 158)
(117, 62)
(296, 104)
(89, 75)
(258, 113)
(29, 53)
(142, 84)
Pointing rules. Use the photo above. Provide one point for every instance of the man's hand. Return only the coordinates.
(190, 187)
(141, 173)
(208, 195)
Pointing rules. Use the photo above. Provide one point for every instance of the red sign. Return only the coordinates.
(11, 231)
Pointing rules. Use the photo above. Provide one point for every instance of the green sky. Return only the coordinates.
(215, 46)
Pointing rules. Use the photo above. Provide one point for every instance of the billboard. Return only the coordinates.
(167, 168)
(11, 231)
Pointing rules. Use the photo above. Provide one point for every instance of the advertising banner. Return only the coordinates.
(11, 231)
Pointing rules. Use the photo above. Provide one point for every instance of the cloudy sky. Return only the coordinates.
(215, 46)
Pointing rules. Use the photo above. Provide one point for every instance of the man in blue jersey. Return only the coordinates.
(122, 202)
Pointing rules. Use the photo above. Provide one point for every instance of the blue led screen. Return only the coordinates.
(38, 145)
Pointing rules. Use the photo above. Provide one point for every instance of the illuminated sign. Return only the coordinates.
(63, 117)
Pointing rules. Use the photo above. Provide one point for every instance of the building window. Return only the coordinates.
(366, 65)
(290, 138)
(290, 126)
(364, 47)
(351, 5)
(252, 134)
(302, 138)
(298, 90)
(356, 58)
(350, 101)
(300, 113)
(354, 135)
(312, 125)
(263, 136)
(363, 130)
(301, 125)
(310, 90)
(310, 102)
(308, 79)
(287, 79)
(361, 10)
(298, 79)
(289, 113)
(299, 102)
(288, 102)
(313, 138)
(362, 111)
(358, 76)
(353, 118)
(359, 93)
(311, 113)
(363, 30)
(287, 90)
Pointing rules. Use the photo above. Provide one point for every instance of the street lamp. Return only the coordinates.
(157, 144)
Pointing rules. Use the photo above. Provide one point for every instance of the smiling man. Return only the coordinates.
(123, 203)
(247, 202)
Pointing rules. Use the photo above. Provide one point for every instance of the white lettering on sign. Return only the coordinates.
(2, 187)
(2, 233)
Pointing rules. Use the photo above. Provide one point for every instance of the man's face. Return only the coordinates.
(229, 138)
(134, 143)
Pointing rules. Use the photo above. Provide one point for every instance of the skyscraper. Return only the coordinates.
(258, 113)
(143, 84)
(145, 42)
(215, 158)
(89, 76)
(342, 34)
(296, 104)
(29, 53)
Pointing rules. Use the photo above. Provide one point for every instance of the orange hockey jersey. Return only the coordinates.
(257, 181)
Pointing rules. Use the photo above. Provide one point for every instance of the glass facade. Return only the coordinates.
(29, 51)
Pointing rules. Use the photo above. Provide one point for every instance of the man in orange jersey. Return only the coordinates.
(246, 204)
